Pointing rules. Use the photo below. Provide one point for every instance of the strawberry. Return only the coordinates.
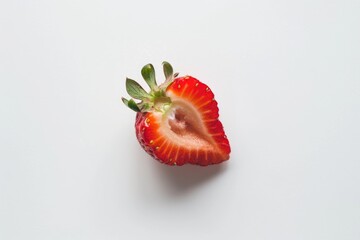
(177, 121)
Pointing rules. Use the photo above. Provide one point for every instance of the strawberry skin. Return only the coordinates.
(180, 124)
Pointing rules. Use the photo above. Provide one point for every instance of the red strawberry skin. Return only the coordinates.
(192, 133)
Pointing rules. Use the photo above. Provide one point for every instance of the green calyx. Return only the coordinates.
(156, 99)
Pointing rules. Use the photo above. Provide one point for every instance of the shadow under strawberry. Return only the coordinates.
(182, 181)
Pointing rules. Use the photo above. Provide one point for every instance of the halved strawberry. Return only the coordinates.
(177, 122)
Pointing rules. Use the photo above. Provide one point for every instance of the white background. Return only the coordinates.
(286, 76)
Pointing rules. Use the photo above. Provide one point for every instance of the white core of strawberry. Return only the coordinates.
(183, 125)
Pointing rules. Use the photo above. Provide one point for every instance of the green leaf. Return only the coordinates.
(148, 73)
(135, 90)
(131, 104)
(125, 101)
(168, 70)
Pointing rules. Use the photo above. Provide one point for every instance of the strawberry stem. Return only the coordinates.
(156, 99)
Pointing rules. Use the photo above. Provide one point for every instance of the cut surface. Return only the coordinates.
(183, 125)
(202, 100)
(189, 131)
